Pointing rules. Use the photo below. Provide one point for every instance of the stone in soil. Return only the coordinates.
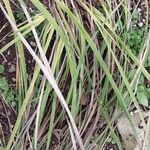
(12, 68)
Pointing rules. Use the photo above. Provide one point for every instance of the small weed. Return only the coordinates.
(135, 17)
(20, 18)
(111, 140)
(133, 38)
(143, 95)
(8, 94)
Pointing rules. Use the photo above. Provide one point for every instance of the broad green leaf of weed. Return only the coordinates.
(142, 99)
(4, 84)
(1, 69)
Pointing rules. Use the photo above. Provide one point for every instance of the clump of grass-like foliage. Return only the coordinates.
(80, 86)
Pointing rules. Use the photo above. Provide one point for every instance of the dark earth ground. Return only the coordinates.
(9, 59)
